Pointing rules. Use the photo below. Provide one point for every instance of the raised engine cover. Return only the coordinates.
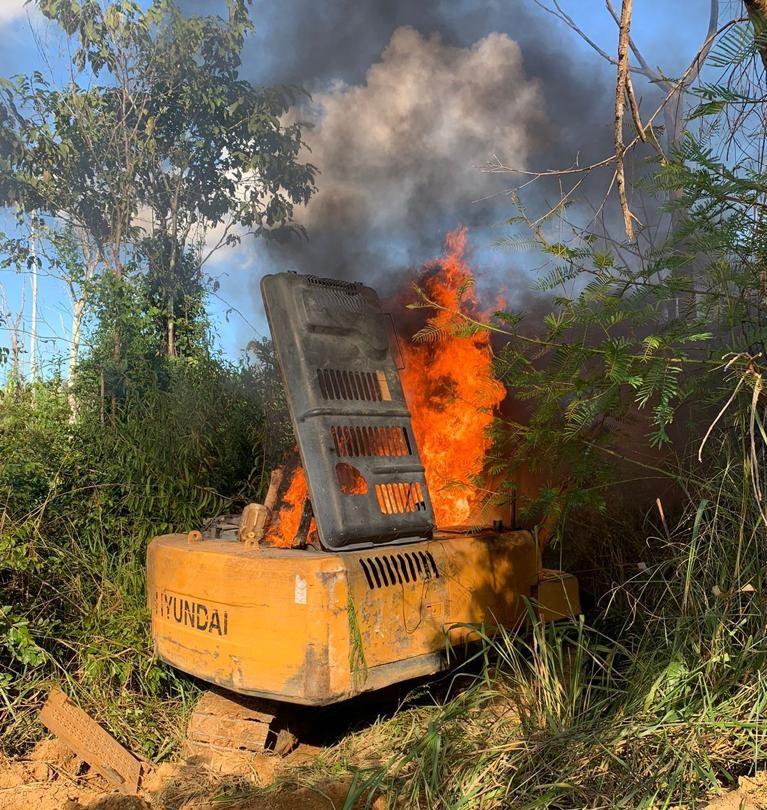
(365, 477)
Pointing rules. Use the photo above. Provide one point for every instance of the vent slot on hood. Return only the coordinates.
(399, 497)
(365, 440)
(364, 386)
(385, 570)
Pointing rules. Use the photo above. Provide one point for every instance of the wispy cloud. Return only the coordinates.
(12, 9)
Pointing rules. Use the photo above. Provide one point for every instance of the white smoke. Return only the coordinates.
(404, 148)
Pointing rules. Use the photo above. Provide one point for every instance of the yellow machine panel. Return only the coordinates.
(316, 627)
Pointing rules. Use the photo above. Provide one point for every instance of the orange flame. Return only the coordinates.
(451, 391)
(450, 388)
(284, 525)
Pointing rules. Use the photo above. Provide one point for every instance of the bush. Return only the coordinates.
(79, 502)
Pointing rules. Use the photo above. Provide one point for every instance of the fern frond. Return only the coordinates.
(431, 333)
(734, 46)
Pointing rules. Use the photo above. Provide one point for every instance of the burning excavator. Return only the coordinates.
(359, 571)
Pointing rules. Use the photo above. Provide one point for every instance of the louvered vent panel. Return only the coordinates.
(387, 570)
(369, 440)
(399, 497)
(353, 429)
(365, 386)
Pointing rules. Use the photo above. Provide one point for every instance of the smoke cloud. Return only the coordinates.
(399, 154)
(409, 101)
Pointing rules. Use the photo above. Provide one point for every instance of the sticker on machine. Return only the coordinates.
(300, 592)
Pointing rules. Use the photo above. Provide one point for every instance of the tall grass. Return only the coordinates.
(79, 501)
(658, 702)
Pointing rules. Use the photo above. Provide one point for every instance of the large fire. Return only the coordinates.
(450, 387)
(451, 392)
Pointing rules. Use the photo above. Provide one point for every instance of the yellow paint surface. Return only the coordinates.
(315, 627)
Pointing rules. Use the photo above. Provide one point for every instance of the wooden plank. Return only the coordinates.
(225, 720)
(228, 732)
(230, 705)
(91, 742)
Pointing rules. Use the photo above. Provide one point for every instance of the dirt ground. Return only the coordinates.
(751, 794)
(53, 778)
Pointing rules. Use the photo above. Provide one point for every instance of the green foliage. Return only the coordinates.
(634, 339)
(735, 46)
(154, 142)
(656, 706)
(161, 119)
(78, 502)
(127, 355)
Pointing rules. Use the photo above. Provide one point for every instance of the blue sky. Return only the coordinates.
(668, 32)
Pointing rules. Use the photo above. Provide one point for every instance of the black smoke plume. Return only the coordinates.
(409, 101)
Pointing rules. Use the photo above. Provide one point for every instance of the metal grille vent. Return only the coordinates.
(364, 386)
(348, 287)
(365, 477)
(400, 497)
(386, 570)
(341, 300)
(352, 440)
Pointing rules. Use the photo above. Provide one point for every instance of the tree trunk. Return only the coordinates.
(101, 396)
(171, 328)
(77, 320)
(116, 358)
(621, 88)
(757, 11)
(33, 324)
(16, 349)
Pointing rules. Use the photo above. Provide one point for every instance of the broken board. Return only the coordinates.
(235, 723)
(91, 742)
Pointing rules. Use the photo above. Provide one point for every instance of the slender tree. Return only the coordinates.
(155, 149)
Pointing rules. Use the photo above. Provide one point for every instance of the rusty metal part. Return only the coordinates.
(348, 411)
(91, 742)
(195, 536)
(221, 527)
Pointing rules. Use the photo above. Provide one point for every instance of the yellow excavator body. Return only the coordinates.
(369, 592)
(316, 627)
